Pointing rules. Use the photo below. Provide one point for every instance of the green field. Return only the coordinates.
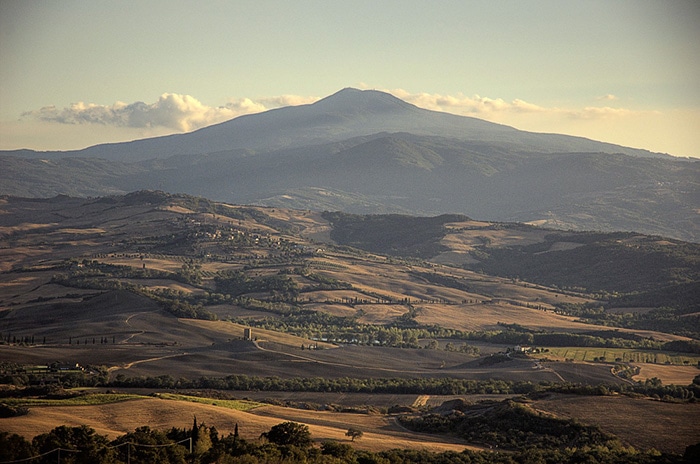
(82, 400)
(238, 405)
(589, 354)
(107, 398)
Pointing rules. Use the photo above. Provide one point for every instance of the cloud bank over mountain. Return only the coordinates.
(182, 113)
(185, 113)
(607, 117)
(484, 106)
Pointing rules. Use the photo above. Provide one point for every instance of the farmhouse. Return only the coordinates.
(65, 367)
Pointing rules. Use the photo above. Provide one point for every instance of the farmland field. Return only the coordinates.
(622, 355)
(114, 419)
(638, 422)
(151, 303)
(642, 423)
(669, 375)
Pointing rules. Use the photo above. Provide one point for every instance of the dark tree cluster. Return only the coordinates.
(419, 386)
(288, 443)
(509, 425)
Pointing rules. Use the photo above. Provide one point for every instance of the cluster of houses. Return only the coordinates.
(52, 372)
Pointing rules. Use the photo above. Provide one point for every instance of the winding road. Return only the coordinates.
(127, 321)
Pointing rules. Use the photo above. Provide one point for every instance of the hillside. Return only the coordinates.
(624, 263)
(124, 269)
(368, 152)
(336, 320)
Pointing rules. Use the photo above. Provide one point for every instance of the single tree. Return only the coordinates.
(151, 446)
(195, 431)
(338, 450)
(14, 447)
(354, 433)
(82, 444)
(289, 433)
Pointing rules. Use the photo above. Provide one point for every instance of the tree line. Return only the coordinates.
(93, 376)
(288, 443)
(419, 386)
(677, 320)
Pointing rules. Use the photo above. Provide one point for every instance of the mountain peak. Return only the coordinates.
(354, 100)
(343, 115)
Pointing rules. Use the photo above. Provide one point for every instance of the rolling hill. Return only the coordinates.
(163, 255)
(356, 320)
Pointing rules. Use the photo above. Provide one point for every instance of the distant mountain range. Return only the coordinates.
(370, 152)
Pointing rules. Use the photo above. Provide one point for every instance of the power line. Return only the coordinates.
(42, 455)
(130, 443)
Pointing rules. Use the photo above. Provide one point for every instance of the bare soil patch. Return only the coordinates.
(376, 428)
(669, 375)
(160, 284)
(454, 258)
(159, 264)
(11, 257)
(642, 423)
(487, 316)
(236, 330)
(381, 313)
(341, 310)
(467, 235)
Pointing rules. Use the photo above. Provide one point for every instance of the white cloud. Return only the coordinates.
(244, 106)
(84, 124)
(286, 100)
(174, 111)
(184, 113)
(604, 112)
(463, 104)
(499, 109)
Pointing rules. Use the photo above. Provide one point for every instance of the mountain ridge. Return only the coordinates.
(347, 113)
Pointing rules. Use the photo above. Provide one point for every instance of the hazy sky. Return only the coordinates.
(77, 73)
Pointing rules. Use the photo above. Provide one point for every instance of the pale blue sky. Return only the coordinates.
(626, 72)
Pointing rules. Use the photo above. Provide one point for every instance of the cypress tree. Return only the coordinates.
(195, 431)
